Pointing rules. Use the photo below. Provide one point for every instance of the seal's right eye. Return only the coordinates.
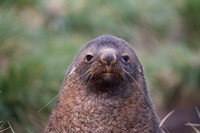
(88, 57)
(125, 58)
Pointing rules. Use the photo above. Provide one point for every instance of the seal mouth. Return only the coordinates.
(107, 77)
(107, 74)
(106, 81)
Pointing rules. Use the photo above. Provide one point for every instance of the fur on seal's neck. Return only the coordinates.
(104, 91)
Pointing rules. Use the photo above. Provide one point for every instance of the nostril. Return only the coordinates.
(108, 58)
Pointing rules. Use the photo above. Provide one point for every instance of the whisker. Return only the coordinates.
(139, 88)
(84, 77)
(62, 87)
(79, 77)
(148, 100)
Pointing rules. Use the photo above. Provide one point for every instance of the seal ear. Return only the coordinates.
(139, 69)
(141, 80)
(72, 70)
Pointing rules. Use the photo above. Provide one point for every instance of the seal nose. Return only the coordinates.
(108, 58)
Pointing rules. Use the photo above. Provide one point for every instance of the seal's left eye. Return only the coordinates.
(125, 57)
(89, 57)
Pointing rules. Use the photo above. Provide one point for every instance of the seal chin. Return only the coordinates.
(108, 78)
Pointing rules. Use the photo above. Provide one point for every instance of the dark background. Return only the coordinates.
(39, 38)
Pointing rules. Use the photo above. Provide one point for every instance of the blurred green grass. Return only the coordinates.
(39, 39)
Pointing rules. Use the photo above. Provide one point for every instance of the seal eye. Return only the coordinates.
(89, 57)
(125, 58)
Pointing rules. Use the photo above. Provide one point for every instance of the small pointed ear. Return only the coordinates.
(72, 71)
(141, 80)
(139, 69)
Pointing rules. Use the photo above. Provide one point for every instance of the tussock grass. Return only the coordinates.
(5, 128)
(194, 125)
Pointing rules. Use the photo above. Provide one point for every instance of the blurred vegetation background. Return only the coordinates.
(38, 40)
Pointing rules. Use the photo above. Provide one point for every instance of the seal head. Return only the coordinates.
(107, 64)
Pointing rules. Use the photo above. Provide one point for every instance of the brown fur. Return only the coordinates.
(93, 101)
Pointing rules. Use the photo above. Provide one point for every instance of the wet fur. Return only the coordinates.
(87, 104)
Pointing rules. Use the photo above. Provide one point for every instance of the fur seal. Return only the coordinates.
(104, 91)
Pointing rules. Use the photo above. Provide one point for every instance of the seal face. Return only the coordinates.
(104, 68)
(104, 91)
(108, 63)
